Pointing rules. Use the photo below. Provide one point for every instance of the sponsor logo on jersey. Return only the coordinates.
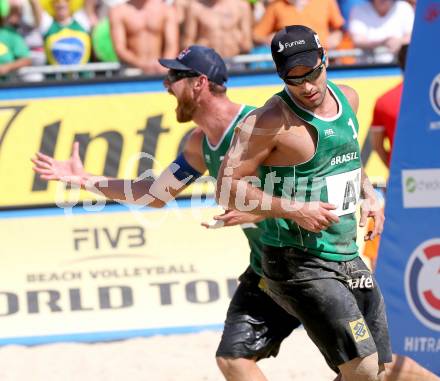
(359, 330)
(345, 158)
(422, 281)
(329, 132)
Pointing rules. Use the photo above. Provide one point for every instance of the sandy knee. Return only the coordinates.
(361, 369)
(229, 364)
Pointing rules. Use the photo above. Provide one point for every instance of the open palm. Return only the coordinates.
(69, 171)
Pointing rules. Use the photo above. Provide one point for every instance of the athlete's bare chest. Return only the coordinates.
(141, 20)
(221, 19)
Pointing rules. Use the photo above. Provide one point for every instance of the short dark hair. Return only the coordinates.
(401, 56)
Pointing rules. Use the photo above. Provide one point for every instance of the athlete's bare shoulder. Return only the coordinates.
(195, 138)
(351, 95)
(193, 150)
(265, 118)
(120, 11)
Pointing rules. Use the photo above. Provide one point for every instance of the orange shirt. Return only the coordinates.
(320, 15)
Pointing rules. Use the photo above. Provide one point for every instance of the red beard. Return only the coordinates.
(185, 108)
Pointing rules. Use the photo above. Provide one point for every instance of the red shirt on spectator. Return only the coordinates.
(386, 112)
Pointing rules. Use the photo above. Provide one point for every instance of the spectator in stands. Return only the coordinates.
(323, 16)
(258, 8)
(143, 31)
(94, 9)
(14, 52)
(347, 5)
(381, 23)
(182, 7)
(224, 25)
(386, 112)
(66, 35)
(26, 28)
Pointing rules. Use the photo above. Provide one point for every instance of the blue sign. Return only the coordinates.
(408, 269)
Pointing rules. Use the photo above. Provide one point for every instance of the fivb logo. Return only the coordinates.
(422, 283)
(289, 44)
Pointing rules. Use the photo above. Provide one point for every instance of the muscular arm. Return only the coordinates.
(90, 9)
(352, 96)
(14, 65)
(245, 27)
(191, 25)
(37, 12)
(158, 192)
(252, 144)
(371, 206)
(237, 189)
(171, 33)
(119, 36)
(152, 192)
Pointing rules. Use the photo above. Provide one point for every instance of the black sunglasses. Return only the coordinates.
(308, 77)
(176, 75)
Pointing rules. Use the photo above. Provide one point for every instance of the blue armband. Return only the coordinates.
(183, 171)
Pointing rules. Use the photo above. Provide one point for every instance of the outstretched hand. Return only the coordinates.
(69, 171)
(232, 218)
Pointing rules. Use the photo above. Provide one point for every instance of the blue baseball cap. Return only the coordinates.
(200, 59)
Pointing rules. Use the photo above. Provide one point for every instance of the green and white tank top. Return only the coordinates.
(332, 175)
(213, 156)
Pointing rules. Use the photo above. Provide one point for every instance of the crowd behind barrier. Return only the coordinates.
(94, 70)
(90, 38)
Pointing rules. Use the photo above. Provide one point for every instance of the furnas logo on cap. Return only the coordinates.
(289, 44)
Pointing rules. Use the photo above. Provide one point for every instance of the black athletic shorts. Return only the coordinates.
(255, 325)
(339, 303)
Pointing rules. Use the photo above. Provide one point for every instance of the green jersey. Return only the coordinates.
(12, 46)
(332, 175)
(213, 157)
